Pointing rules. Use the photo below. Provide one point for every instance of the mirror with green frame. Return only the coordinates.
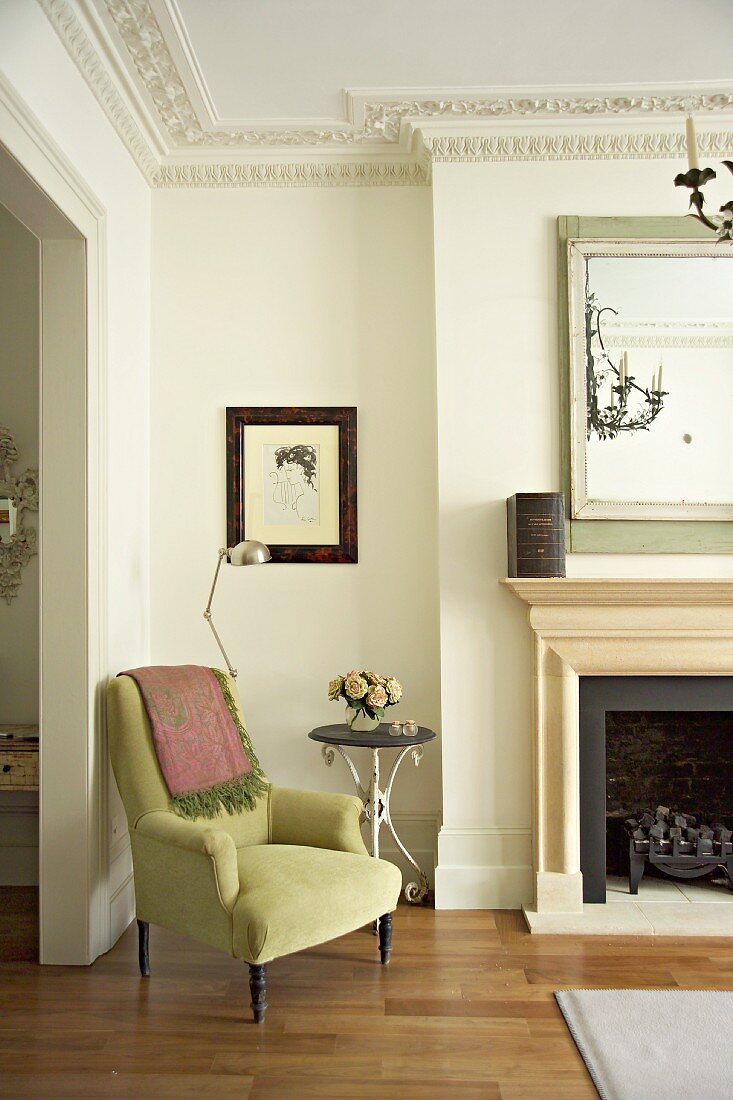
(647, 356)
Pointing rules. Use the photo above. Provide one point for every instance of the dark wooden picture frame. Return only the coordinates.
(344, 418)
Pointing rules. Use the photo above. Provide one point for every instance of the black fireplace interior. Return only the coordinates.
(646, 742)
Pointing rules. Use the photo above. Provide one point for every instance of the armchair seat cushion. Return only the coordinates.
(292, 897)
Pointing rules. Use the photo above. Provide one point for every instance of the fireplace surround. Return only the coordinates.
(602, 627)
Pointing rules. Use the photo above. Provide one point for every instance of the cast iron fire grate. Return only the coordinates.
(679, 845)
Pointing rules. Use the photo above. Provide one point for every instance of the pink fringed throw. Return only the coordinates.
(203, 748)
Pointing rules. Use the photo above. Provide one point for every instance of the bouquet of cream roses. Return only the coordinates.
(366, 691)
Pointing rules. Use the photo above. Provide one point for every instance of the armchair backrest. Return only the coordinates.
(139, 778)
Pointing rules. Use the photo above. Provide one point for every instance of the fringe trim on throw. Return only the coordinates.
(237, 794)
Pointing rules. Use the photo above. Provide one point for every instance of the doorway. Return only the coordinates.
(42, 192)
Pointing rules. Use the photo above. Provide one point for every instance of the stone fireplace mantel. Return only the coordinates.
(602, 627)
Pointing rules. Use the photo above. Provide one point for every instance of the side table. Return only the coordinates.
(377, 801)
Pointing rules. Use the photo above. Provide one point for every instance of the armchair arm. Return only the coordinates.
(194, 838)
(316, 819)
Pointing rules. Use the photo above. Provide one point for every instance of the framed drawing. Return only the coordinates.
(647, 383)
(291, 482)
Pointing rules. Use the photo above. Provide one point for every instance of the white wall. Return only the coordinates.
(19, 688)
(40, 71)
(498, 430)
(300, 297)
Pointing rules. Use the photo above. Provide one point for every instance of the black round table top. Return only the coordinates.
(380, 738)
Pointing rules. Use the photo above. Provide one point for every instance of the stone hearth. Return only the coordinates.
(609, 627)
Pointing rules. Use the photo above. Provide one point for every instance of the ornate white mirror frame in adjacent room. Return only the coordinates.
(17, 495)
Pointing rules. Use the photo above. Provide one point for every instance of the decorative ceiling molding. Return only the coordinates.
(570, 146)
(669, 333)
(139, 30)
(387, 118)
(335, 173)
(381, 125)
(85, 57)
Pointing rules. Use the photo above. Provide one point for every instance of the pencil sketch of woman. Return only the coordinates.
(294, 481)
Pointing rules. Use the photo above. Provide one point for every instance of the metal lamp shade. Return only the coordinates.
(249, 552)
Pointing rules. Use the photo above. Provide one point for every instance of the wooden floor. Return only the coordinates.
(464, 1011)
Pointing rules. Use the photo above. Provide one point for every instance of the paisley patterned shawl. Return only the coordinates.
(203, 748)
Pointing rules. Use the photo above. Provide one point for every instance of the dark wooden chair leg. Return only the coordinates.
(385, 937)
(143, 947)
(258, 989)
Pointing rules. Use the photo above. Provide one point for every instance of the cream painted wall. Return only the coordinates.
(19, 642)
(300, 297)
(41, 73)
(498, 430)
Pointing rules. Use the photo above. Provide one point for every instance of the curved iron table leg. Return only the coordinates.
(415, 892)
(327, 752)
(376, 808)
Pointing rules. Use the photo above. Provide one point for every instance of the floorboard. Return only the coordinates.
(465, 1011)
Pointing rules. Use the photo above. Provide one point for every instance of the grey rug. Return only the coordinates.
(655, 1044)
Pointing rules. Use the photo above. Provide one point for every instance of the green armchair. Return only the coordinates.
(289, 874)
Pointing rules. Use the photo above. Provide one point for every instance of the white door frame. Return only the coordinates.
(74, 906)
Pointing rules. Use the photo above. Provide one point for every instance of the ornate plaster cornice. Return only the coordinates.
(386, 119)
(570, 146)
(299, 174)
(139, 30)
(666, 333)
(90, 65)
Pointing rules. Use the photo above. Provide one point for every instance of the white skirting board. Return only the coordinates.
(484, 867)
(121, 888)
(418, 831)
(122, 908)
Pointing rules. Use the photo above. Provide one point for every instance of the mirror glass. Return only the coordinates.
(8, 519)
(652, 380)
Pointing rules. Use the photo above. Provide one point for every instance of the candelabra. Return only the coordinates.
(695, 178)
(607, 421)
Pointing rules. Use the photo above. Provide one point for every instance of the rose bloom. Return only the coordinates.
(377, 696)
(394, 687)
(355, 686)
(334, 687)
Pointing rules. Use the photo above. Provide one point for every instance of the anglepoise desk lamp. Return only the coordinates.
(249, 552)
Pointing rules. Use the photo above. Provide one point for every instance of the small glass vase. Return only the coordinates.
(359, 721)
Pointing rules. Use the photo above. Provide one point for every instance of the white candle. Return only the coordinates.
(692, 160)
(659, 380)
(626, 373)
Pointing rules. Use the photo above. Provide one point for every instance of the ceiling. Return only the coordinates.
(265, 60)
(231, 84)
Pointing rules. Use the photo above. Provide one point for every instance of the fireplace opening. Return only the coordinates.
(656, 781)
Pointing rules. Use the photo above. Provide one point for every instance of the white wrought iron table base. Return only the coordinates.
(377, 807)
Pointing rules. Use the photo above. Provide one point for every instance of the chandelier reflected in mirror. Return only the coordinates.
(615, 402)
